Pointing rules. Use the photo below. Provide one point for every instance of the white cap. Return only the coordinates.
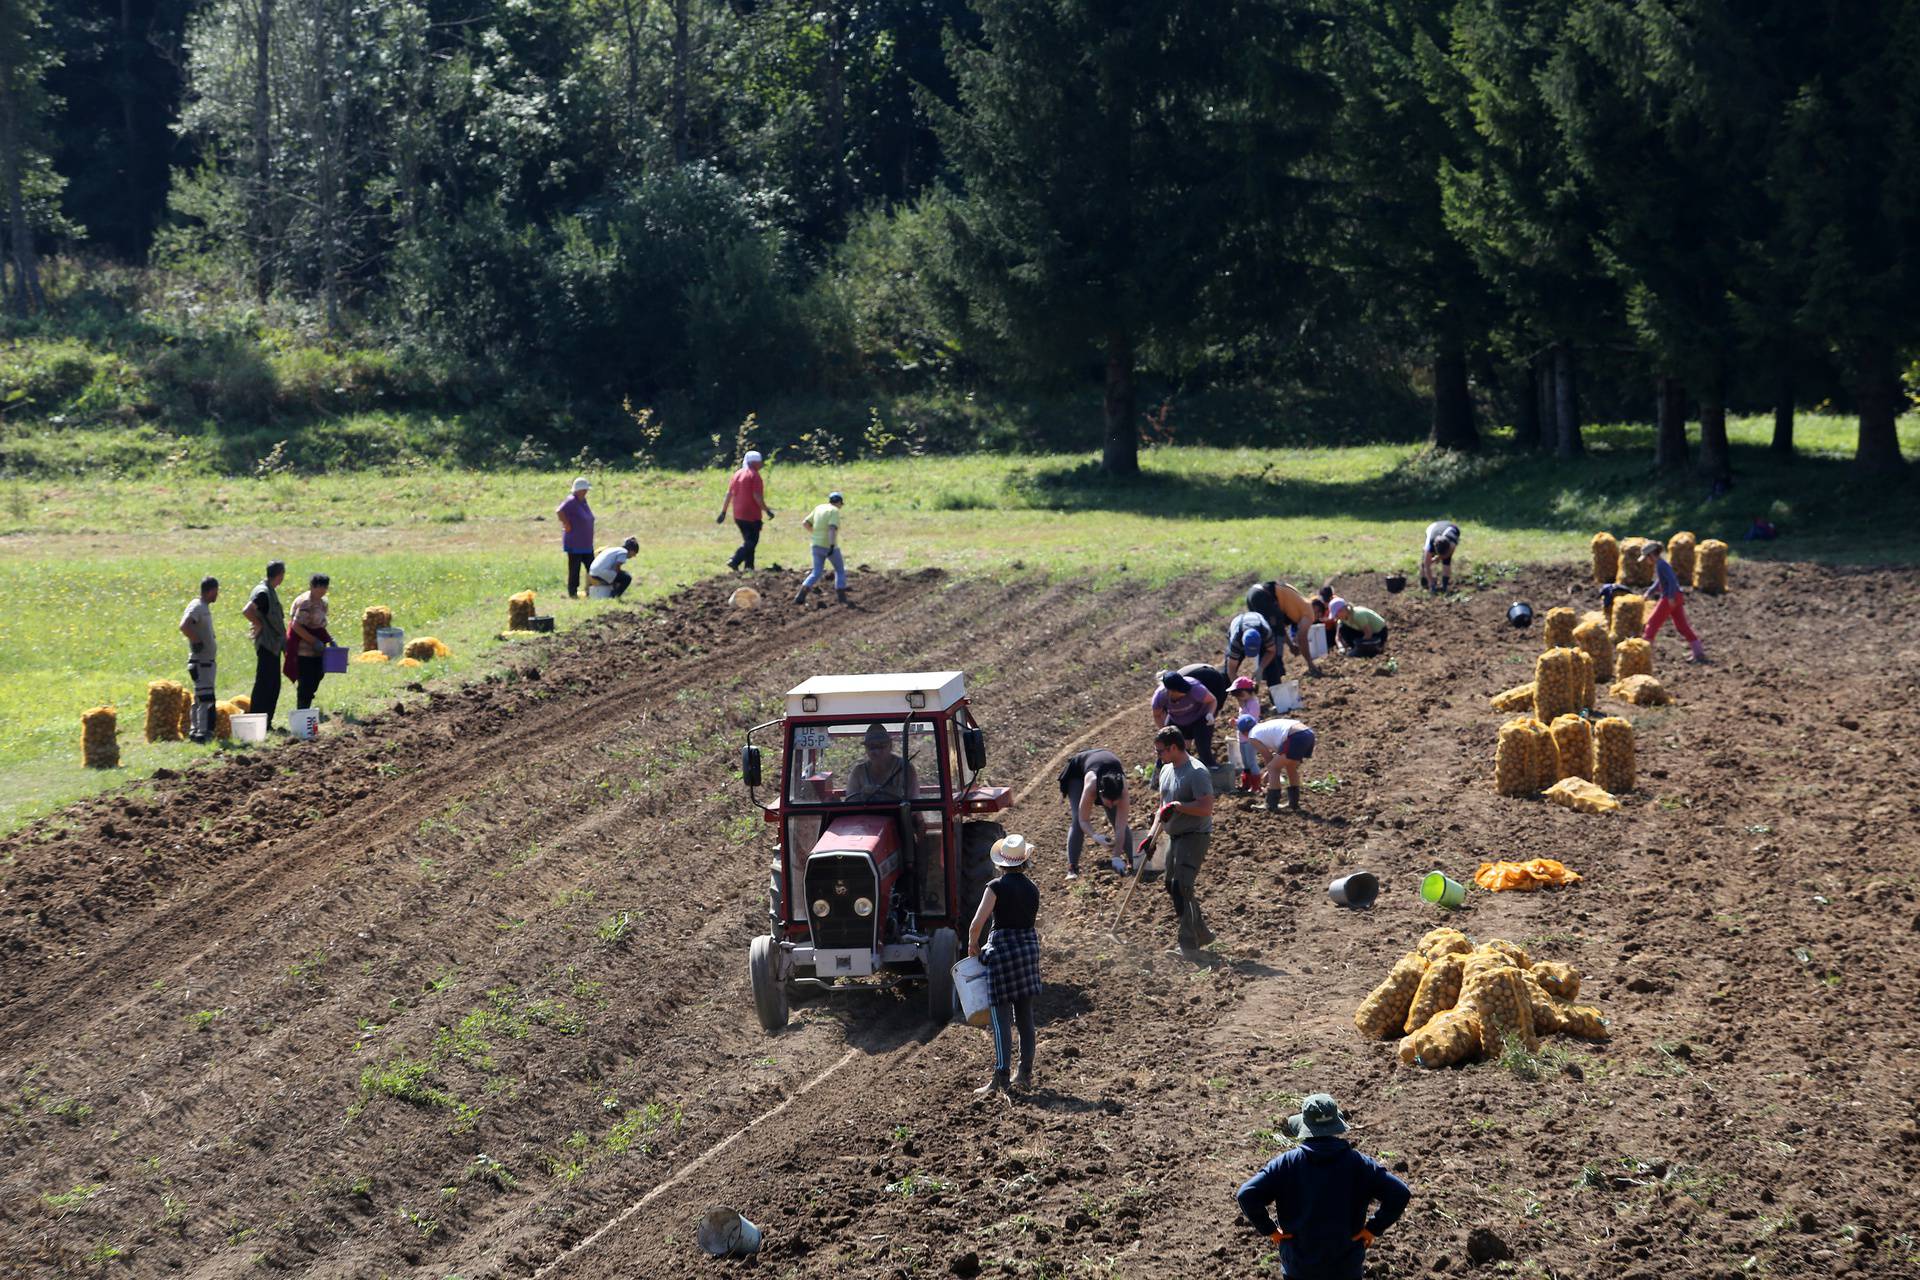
(753, 456)
(581, 485)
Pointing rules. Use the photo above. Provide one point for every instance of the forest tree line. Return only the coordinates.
(1695, 204)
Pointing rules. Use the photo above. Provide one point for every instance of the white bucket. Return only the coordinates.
(1317, 640)
(250, 726)
(970, 984)
(303, 724)
(723, 1232)
(391, 641)
(599, 591)
(1286, 697)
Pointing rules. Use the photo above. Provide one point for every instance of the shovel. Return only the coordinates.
(1141, 856)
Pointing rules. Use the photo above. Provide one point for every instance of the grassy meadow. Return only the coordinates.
(95, 570)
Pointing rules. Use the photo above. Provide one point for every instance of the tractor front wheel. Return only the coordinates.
(769, 993)
(943, 952)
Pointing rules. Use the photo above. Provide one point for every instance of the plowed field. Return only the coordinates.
(461, 989)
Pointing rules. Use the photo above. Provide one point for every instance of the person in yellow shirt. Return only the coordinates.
(824, 525)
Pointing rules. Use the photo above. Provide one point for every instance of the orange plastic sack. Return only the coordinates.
(1496, 876)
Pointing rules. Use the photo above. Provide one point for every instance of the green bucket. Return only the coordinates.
(1442, 890)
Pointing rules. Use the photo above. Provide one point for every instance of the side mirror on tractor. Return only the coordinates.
(750, 765)
(974, 740)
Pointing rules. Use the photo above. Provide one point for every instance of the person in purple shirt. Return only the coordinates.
(576, 534)
(1186, 705)
(1671, 602)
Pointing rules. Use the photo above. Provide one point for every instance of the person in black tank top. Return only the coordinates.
(1096, 776)
(1011, 904)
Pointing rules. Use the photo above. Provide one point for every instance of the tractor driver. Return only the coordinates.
(882, 777)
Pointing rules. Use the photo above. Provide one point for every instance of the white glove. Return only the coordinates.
(1103, 841)
(1209, 719)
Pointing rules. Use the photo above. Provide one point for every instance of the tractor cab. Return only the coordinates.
(881, 836)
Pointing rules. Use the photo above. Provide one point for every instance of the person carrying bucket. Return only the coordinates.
(1289, 613)
(196, 624)
(1672, 604)
(1312, 1200)
(1280, 745)
(1243, 701)
(1095, 776)
(1011, 904)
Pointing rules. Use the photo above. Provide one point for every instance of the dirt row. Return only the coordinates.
(456, 990)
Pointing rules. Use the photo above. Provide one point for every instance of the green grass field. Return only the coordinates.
(95, 572)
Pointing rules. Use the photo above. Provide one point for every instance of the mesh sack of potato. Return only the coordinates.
(744, 598)
(1606, 557)
(1518, 698)
(1633, 658)
(1558, 627)
(100, 738)
(1680, 549)
(1580, 795)
(223, 714)
(407, 662)
(164, 699)
(1636, 566)
(1546, 762)
(1555, 684)
(186, 713)
(1710, 568)
(1582, 1020)
(1546, 1010)
(1439, 990)
(520, 612)
(1499, 995)
(1443, 942)
(374, 617)
(1584, 682)
(1384, 1012)
(243, 703)
(426, 649)
(1613, 768)
(1451, 1037)
(371, 657)
(1591, 638)
(1642, 691)
(1629, 619)
(1513, 766)
(1573, 747)
(1515, 954)
(1559, 979)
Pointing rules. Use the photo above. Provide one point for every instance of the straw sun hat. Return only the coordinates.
(1011, 851)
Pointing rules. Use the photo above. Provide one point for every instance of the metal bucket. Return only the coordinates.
(970, 984)
(391, 641)
(723, 1232)
(1356, 890)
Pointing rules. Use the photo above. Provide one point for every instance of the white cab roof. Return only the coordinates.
(874, 695)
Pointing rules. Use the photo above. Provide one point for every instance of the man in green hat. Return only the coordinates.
(1312, 1199)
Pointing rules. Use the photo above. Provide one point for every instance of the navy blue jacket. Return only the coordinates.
(1320, 1192)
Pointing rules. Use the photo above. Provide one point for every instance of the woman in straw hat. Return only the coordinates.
(1012, 955)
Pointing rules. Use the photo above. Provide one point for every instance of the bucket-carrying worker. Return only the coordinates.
(1011, 903)
(1186, 705)
(576, 533)
(196, 624)
(824, 525)
(1243, 704)
(307, 640)
(1280, 745)
(1442, 537)
(269, 622)
(1672, 604)
(1186, 821)
(748, 498)
(609, 567)
(1289, 613)
(1312, 1200)
(1363, 633)
(1251, 639)
(883, 777)
(1095, 777)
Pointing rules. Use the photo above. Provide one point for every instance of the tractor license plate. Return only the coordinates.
(805, 738)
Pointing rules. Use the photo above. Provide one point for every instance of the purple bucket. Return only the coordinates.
(333, 660)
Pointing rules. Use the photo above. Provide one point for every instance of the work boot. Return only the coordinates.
(1293, 799)
(1273, 800)
(840, 594)
(1024, 1081)
(800, 597)
(1699, 652)
(996, 1085)
(1249, 781)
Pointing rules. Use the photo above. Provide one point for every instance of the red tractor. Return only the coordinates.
(879, 865)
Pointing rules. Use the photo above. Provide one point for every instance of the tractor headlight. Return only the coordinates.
(863, 906)
(820, 906)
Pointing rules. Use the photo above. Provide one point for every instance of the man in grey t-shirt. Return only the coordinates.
(1186, 820)
(196, 624)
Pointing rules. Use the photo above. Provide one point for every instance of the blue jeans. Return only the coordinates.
(820, 557)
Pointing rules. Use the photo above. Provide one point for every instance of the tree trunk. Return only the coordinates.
(260, 198)
(1549, 412)
(677, 89)
(1453, 426)
(1526, 423)
(1122, 455)
(1716, 456)
(835, 106)
(1670, 425)
(1783, 411)
(1877, 388)
(1566, 405)
(23, 291)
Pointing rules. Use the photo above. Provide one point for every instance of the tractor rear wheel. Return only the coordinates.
(943, 952)
(769, 993)
(976, 865)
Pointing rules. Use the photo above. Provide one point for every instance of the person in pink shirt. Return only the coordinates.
(748, 498)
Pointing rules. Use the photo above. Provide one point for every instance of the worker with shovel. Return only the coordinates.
(1095, 776)
(1279, 745)
(1312, 1200)
(196, 624)
(1186, 820)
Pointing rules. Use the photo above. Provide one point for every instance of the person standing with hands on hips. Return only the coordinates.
(1312, 1200)
(269, 622)
(576, 533)
(824, 525)
(196, 624)
(747, 496)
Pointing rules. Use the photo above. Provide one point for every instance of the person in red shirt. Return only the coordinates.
(748, 499)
